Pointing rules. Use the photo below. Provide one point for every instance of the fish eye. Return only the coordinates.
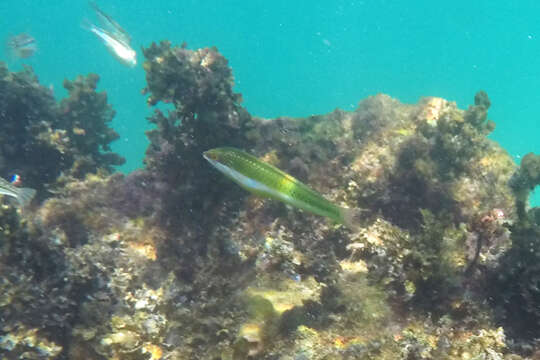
(210, 155)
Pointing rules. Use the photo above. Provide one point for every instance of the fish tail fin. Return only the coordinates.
(352, 218)
(25, 196)
(10, 49)
(97, 10)
(93, 5)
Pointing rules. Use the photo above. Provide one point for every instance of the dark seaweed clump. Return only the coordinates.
(41, 140)
(207, 113)
(516, 290)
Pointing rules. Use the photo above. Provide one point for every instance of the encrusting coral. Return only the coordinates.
(175, 261)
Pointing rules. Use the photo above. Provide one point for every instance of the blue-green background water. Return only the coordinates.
(303, 57)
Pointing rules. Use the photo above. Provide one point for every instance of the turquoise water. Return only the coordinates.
(297, 58)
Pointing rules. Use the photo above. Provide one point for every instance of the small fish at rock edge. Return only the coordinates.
(23, 195)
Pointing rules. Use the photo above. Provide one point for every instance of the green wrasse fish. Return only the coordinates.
(267, 181)
(23, 195)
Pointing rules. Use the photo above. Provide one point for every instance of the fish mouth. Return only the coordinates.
(210, 156)
(207, 157)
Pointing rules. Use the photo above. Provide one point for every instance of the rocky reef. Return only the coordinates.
(174, 261)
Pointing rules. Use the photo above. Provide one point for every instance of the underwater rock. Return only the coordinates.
(394, 158)
(273, 306)
(424, 342)
(29, 344)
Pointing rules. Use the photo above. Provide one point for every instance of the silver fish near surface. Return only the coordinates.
(21, 46)
(115, 38)
(23, 195)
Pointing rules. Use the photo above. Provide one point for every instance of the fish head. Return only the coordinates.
(131, 61)
(222, 156)
(211, 155)
(218, 157)
(126, 55)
